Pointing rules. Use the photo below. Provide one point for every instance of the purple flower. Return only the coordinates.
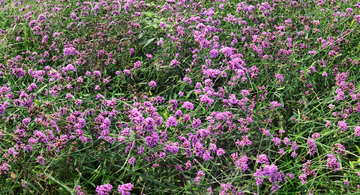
(45, 39)
(137, 65)
(172, 147)
(262, 159)
(104, 189)
(311, 146)
(69, 51)
(26, 121)
(100, 53)
(152, 84)
(349, 10)
(73, 16)
(125, 189)
(220, 152)
(196, 123)
(78, 101)
(132, 50)
(275, 104)
(245, 92)
(313, 68)
(206, 156)
(160, 42)
(32, 86)
(188, 105)
(41, 160)
(315, 135)
(328, 124)
(187, 79)
(342, 125)
(171, 122)
(132, 160)
(357, 130)
(213, 147)
(241, 163)
(340, 149)
(55, 34)
(149, 56)
(69, 67)
(228, 51)
(258, 176)
(205, 99)
(245, 141)
(41, 17)
(97, 73)
(332, 162)
(79, 191)
(4, 168)
(294, 146)
(307, 171)
(174, 63)
(313, 52)
(290, 175)
(68, 96)
(188, 165)
(178, 113)
(280, 77)
(198, 85)
(281, 151)
(274, 188)
(277, 141)
(214, 53)
(126, 71)
(199, 174)
(163, 25)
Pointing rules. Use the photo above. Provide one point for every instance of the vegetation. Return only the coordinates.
(179, 97)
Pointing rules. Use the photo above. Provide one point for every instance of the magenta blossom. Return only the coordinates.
(152, 84)
(104, 189)
(125, 189)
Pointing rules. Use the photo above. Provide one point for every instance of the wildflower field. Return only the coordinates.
(179, 97)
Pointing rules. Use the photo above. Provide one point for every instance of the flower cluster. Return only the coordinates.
(332, 162)
(131, 90)
(125, 189)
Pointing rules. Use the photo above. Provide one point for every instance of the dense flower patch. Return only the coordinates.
(179, 96)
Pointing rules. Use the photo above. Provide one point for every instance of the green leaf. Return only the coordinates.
(35, 188)
(148, 42)
(358, 149)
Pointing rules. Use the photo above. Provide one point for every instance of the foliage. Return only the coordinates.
(179, 97)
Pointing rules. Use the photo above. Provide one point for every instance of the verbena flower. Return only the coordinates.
(152, 84)
(125, 189)
(104, 189)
